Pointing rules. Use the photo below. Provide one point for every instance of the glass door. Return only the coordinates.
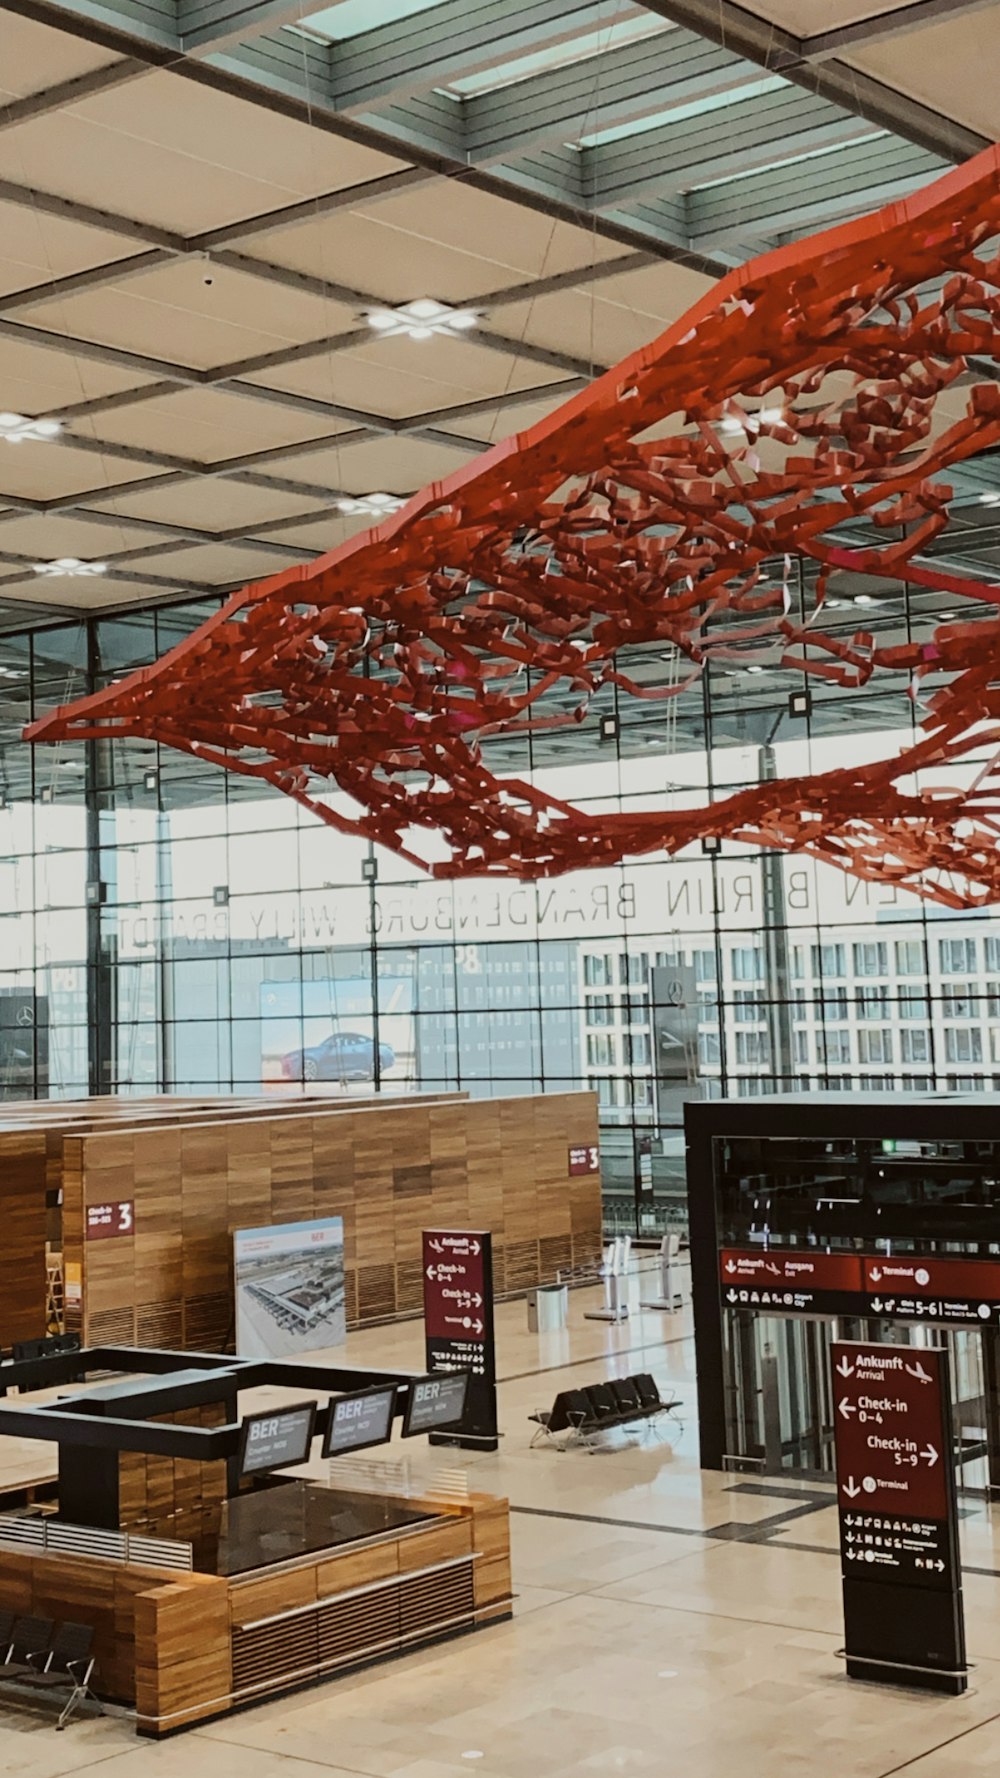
(779, 1394)
(968, 1396)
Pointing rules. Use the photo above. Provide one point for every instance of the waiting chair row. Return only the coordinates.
(38, 1652)
(599, 1407)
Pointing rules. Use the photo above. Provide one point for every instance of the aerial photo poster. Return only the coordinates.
(289, 1288)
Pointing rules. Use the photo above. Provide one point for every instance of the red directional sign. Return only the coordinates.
(899, 1557)
(890, 1447)
(926, 1289)
(791, 1282)
(454, 1297)
(585, 1159)
(458, 1325)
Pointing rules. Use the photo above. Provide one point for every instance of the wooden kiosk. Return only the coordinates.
(212, 1574)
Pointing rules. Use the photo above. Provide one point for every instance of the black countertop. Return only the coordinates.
(290, 1518)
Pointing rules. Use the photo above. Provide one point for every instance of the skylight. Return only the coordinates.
(865, 132)
(752, 89)
(558, 55)
(349, 18)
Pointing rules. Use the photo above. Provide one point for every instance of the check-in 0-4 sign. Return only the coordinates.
(792, 1283)
(893, 1458)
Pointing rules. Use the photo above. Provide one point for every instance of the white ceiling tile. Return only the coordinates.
(172, 313)
(206, 424)
(35, 57)
(34, 379)
(942, 67)
(36, 247)
(45, 471)
(213, 505)
(217, 564)
(46, 535)
(168, 151)
(379, 465)
(441, 240)
(400, 377)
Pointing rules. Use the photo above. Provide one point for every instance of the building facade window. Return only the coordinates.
(957, 956)
(871, 959)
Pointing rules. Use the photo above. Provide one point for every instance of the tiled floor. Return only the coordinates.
(667, 1622)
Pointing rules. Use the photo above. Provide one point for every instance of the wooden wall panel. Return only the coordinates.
(183, 1660)
(390, 1169)
(23, 1178)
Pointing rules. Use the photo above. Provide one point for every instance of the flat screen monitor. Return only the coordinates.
(436, 1402)
(359, 1420)
(277, 1440)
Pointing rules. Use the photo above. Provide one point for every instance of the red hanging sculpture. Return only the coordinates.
(831, 381)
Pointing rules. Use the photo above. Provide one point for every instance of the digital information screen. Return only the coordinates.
(436, 1402)
(357, 1421)
(277, 1440)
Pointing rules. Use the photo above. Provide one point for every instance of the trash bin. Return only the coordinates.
(548, 1307)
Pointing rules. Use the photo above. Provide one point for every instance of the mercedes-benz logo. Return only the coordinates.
(25, 1015)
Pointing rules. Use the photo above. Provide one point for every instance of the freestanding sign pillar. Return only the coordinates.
(458, 1327)
(899, 1558)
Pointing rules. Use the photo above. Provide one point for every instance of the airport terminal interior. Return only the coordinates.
(499, 888)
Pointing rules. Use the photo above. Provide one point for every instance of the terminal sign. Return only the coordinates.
(586, 1159)
(928, 1289)
(104, 1221)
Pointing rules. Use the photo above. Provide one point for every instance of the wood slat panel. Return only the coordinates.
(390, 1168)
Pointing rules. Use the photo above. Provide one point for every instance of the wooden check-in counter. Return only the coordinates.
(186, 1646)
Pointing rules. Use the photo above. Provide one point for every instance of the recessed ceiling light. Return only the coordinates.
(13, 673)
(16, 429)
(755, 669)
(863, 599)
(422, 319)
(375, 503)
(70, 568)
(989, 499)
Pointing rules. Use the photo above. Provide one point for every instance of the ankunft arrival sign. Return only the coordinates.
(899, 1555)
(458, 1326)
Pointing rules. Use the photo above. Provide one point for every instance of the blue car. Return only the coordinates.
(343, 1056)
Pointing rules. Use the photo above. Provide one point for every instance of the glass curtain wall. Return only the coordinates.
(170, 928)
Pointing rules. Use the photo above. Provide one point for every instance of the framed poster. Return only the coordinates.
(289, 1288)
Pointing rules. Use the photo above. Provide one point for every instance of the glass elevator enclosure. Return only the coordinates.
(838, 1176)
